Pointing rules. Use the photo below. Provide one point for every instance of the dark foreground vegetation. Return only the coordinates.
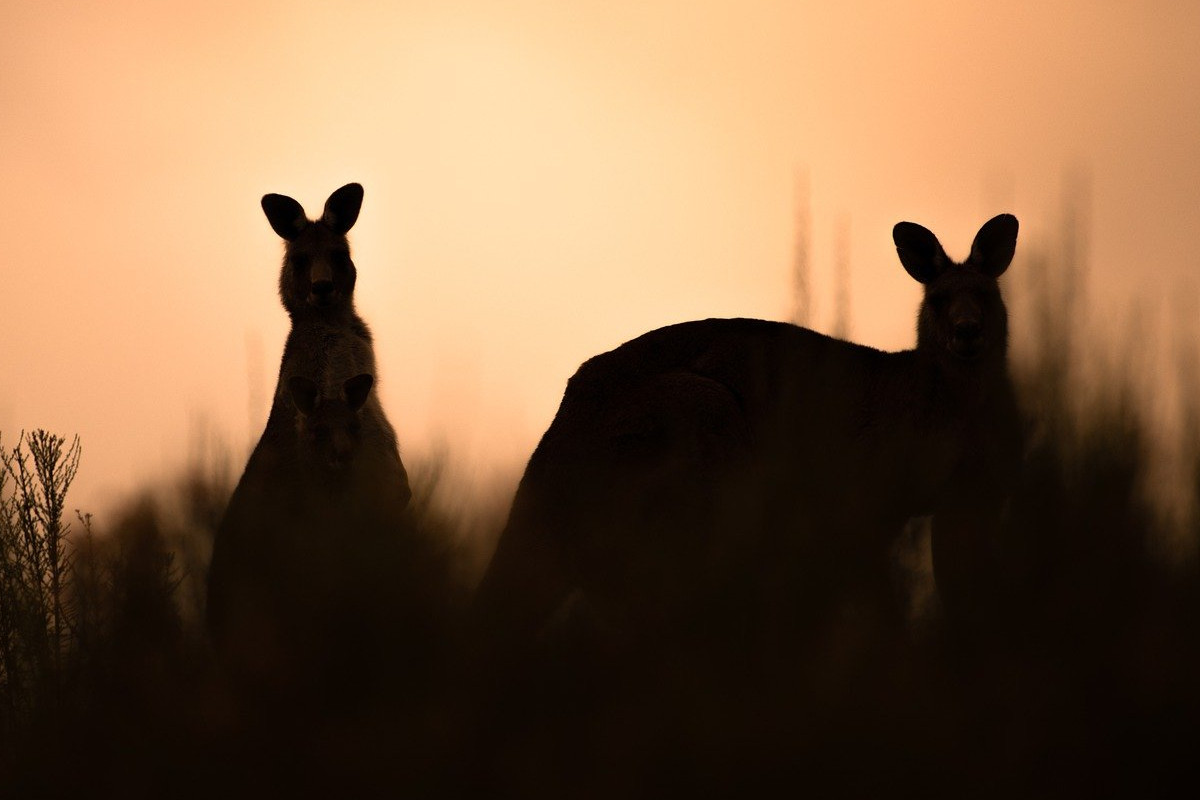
(1078, 674)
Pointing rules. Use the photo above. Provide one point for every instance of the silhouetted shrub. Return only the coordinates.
(36, 615)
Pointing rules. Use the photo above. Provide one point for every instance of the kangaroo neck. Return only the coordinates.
(961, 384)
(341, 314)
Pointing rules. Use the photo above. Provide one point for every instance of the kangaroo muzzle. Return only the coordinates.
(322, 290)
(966, 328)
(966, 338)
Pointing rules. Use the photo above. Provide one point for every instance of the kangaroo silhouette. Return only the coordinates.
(326, 476)
(316, 285)
(710, 460)
(329, 426)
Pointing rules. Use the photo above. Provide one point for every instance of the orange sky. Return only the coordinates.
(543, 181)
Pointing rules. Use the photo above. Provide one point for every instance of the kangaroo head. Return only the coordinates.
(330, 427)
(317, 270)
(963, 319)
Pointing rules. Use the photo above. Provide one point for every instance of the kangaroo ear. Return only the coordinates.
(919, 250)
(994, 245)
(304, 394)
(285, 215)
(341, 209)
(357, 389)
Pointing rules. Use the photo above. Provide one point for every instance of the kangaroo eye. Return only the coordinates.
(300, 263)
(341, 260)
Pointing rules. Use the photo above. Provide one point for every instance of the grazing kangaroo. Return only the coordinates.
(326, 471)
(711, 460)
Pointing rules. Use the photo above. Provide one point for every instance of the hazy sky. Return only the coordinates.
(544, 180)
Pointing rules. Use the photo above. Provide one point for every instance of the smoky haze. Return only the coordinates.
(542, 183)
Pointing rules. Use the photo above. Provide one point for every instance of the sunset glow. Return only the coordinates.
(543, 182)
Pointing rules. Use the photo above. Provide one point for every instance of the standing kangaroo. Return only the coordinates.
(326, 472)
(316, 285)
(709, 459)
